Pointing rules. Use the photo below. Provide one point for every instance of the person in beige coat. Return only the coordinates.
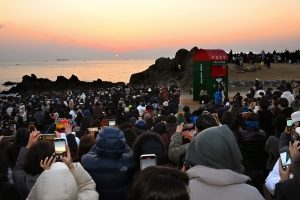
(63, 180)
(217, 170)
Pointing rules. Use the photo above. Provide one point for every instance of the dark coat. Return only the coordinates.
(251, 144)
(23, 181)
(287, 112)
(265, 121)
(288, 190)
(110, 164)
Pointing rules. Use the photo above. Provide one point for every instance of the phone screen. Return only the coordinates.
(147, 160)
(285, 158)
(111, 123)
(289, 122)
(60, 146)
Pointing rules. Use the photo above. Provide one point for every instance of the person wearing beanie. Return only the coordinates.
(159, 128)
(217, 170)
(86, 113)
(110, 164)
(141, 125)
(180, 117)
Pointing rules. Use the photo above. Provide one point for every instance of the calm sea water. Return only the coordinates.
(106, 70)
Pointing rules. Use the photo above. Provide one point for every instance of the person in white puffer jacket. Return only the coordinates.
(63, 181)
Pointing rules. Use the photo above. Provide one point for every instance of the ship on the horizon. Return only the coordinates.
(62, 59)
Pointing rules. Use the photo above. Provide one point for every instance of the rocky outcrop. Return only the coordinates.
(32, 84)
(165, 70)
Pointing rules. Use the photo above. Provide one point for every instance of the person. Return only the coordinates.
(289, 188)
(98, 110)
(149, 143)
(130, 136)
(63, 180)
(288, 95)
(21, 138)
(216, 170)
(27, 168)
(179, 68)
(85, 145)
(8, 191)
(218, 96)
(85, 123)
(156, 182)
(176, 146)
(203, 95)
(7, 160)
(110, 164)
(171, 125)
(283, 105)
(265, 116)
(251, 142)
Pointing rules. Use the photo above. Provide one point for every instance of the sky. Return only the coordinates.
(38, 30)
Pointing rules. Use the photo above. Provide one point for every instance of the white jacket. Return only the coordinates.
(273, 178)
(61, 183)
(288, 95)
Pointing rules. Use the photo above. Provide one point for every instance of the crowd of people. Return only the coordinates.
(222, 150)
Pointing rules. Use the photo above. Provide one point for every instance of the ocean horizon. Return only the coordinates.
(117, 70)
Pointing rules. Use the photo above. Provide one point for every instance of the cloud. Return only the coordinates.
(2, 26)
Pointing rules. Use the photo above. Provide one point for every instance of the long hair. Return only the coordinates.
(86, 143)
(7, 157)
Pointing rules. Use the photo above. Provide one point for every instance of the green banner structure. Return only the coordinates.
(210, 70)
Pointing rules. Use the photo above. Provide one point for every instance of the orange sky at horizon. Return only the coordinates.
(120, 26)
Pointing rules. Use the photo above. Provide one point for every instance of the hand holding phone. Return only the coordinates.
(285, 158)
(60, 148)
(67, 159)
(289, 124)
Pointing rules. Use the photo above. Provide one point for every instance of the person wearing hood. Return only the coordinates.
(288, 95)
(110, 164)
(216, 171)
(63, 180)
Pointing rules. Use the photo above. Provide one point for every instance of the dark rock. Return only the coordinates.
(180, 56)
(8, 83)
(194, 49)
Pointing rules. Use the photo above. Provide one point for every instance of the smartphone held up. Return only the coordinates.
(60, 148)
(147, 160)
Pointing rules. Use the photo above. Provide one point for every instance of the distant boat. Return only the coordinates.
(62, 59)
(45, 61)
(17, 64)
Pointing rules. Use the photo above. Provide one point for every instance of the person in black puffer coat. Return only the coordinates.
(251, 142)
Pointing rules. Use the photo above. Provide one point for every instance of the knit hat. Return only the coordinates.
(216, 148)
(159, 128)
(171, 119)
(180, 118)
(86, 113)
(141, 124)
(132, 120)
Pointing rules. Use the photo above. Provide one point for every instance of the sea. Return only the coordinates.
(86, 70)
